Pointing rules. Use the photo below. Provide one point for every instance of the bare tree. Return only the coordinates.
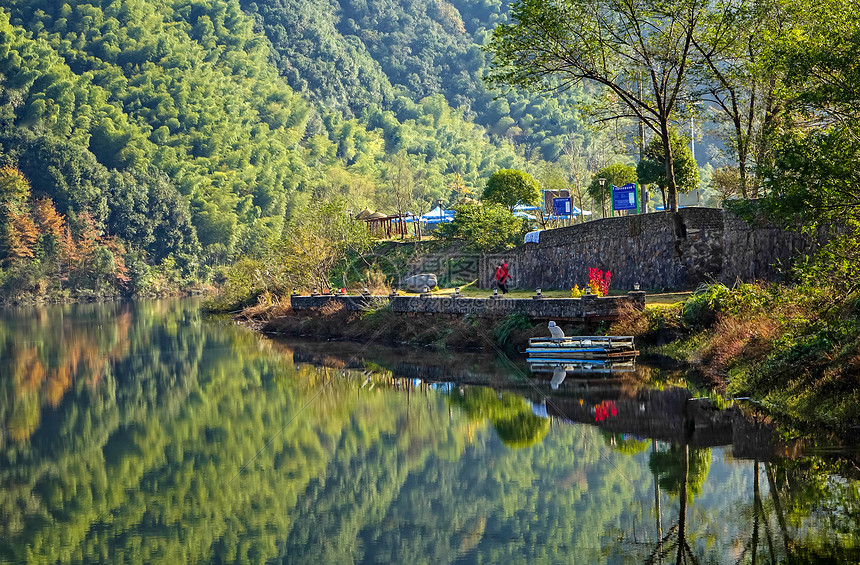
(400, 185)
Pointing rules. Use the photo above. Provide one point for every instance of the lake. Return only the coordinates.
(145, 432)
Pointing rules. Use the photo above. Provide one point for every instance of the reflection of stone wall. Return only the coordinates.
(658, 250)
(587, 307)
(666, 415)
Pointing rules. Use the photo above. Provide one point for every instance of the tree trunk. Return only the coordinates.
(682, 511)
(757, 512)
(670, 167)
(657, 510)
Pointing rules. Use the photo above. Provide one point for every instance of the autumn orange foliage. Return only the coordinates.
(50, 221)
(39, 379)
(71, 248)
(20, 235)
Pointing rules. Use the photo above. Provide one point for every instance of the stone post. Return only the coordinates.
(637, 298)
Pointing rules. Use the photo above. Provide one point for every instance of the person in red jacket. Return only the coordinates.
(503, 276)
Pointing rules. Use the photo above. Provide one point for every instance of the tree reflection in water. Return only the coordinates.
(139, 433)
(511, 415)
(806, 512)
(681, 474)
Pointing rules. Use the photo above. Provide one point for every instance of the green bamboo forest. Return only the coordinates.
(156, 149)
(149, 148)
(147, 145)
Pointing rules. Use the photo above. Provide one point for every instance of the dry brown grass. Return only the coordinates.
(268, 307)
(734, 339)
(631, 321)
(375, 282)
(331, 308)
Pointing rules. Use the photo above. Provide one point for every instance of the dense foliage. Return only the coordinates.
(652, 168)
(509, 187)
(349, 55)
(168, 126)
(794, 349)
(487, 228)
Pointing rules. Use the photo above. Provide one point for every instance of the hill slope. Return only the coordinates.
(347, 54)
(166, 126)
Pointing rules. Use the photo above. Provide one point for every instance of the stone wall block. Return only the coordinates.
(643, 249)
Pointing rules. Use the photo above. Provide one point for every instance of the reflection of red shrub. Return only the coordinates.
(604, 410)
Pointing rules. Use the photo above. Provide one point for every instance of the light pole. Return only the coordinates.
(692, 136)
(693, 104)
(440, 211)
(602, 182)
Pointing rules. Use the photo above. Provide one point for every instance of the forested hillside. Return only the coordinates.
(165, 130)
(348, 54)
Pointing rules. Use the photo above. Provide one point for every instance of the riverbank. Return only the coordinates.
(793, 352)
(77, 297)
(383, 326)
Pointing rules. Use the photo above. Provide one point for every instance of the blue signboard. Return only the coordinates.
(624, 197)
(561, 206)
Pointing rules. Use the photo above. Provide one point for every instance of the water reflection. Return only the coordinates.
(143, 433)
(512, 417)
(560, 369)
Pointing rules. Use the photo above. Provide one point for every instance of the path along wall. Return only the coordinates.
(661, 250)
(587, 308)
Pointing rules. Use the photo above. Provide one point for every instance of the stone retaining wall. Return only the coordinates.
(570, 309)
(661, 250)
(351, 302)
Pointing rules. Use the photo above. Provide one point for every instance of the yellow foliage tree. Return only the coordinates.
(14, 186)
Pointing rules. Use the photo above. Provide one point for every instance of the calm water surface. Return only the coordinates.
(146, 433)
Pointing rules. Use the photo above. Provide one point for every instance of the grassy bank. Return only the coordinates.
(383, 326)
(793, 351)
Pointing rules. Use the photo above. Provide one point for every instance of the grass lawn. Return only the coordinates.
(666, 299)
(651, 300)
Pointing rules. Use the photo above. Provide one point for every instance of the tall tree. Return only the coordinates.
(637, 49)
(582, 155)
(737, 76)
(18, 233)
(14, 186)
(509, 187)
(652, 168)
(400, 181)
(314, 243)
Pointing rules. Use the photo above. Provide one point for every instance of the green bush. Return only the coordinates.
(503, 330)
(702, 307)
(484, 228)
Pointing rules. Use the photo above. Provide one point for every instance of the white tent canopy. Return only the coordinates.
(438, 215)
(525, 208)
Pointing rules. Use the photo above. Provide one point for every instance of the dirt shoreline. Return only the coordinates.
(389, 328)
